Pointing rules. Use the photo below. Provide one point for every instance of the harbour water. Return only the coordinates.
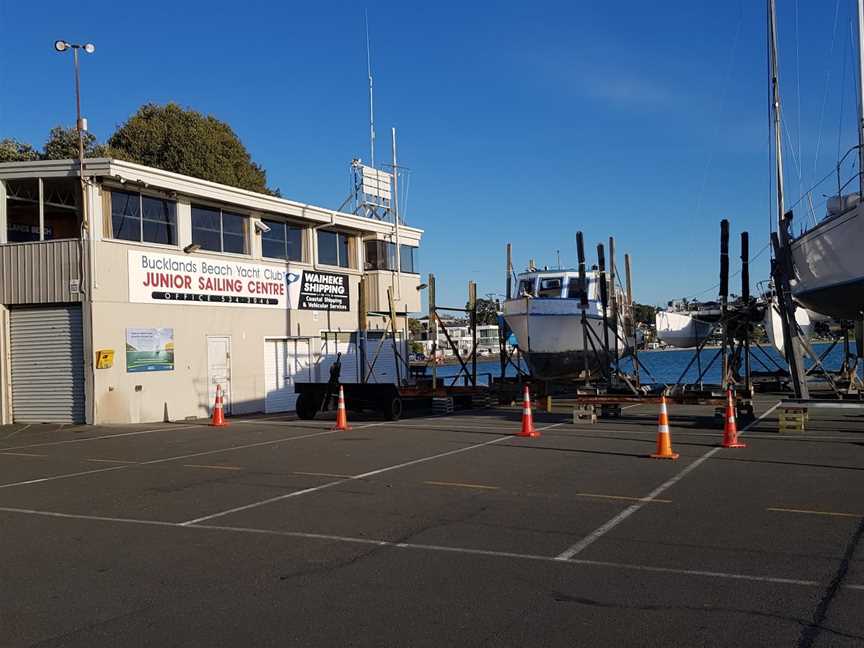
(667, 366)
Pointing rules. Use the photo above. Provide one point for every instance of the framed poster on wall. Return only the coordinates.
(149, 349)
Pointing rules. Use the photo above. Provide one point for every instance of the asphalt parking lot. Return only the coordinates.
(433, 531)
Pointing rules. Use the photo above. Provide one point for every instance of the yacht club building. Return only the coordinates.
(132, 304)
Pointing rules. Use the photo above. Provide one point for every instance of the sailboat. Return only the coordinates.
(827, 258)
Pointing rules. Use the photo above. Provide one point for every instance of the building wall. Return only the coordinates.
(121, 396)
(115, 395)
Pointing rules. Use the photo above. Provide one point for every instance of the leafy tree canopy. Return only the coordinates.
(487, 311)
(643, 313)
(185, 141)
(12, 150)
(166, 137)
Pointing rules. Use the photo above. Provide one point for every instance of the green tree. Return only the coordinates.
(185, 141)
(487, 311)
(644, 313)
(62, 144)
(11, 150)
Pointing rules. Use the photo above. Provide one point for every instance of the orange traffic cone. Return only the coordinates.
(341, 413)
(218, 419)
(664, 443)
(528, 429)
(730, 430)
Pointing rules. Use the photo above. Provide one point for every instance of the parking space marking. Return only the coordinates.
(700, 573)
(778, 509)
(371, 473)
(163, 460)
(259, 444)
(14, 432)
(321, 474)
(654, 500)
(104, 436)
(212, 467)
(603, 529)
(22, 454)
(113, 461)
(64, 476)
(462, 485)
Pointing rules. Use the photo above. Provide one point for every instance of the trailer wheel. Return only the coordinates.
(393, 409)
(305, 407)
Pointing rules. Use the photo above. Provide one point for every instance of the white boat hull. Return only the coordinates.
(829, 266)
(550, 337)
(774, 325)
(680, 329)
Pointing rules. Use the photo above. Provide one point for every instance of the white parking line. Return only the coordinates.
(699, 573)
(371, 473)
(605, 528)
(337, 482)
(166, 459)
(104, 436)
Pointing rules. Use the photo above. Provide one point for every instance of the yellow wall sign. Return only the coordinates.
(105, 359)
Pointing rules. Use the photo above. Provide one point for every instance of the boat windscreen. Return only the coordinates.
(550, 287)
(526, 287)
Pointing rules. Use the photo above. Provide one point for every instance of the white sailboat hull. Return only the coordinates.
(680, 329)
(550, 336)
(774, 325)
(829, 265)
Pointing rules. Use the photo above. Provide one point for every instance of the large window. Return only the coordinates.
(58, 201)
(334, 248)
(283, 241)
(136, 217)
(380, 255)
(408, 259)
(219, 230)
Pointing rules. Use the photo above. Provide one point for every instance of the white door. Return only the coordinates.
(219, 370)
(286, 362)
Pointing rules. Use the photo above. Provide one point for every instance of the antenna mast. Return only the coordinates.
(371, 105)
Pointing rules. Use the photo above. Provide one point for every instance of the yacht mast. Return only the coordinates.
(860, 100)
(775, 104)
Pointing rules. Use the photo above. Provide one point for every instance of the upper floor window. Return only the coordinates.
(408, 259)
(380, 255)
(283, 241)
(42, 209)
(219, 230)
(335, 249)
(141, 218)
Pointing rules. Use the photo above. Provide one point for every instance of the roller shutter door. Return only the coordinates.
(47, 364)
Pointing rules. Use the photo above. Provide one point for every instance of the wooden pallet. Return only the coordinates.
(584, 414)
(442, 405)
(793, 419)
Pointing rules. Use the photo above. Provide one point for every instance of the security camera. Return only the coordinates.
(261, 228)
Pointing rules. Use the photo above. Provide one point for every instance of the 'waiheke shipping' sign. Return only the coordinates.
(324, 291)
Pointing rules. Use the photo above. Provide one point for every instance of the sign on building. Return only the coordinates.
(324, 291)
(160, 278)
(149, 349)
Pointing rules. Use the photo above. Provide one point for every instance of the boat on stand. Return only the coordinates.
(546, 316)
(684, 324)
(828, 270)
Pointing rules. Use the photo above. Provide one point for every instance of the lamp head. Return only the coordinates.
(61, 45)
(89, 48)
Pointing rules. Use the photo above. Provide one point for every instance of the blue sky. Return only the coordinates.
(520, 122)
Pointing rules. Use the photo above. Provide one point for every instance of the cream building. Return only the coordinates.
(135, 308)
